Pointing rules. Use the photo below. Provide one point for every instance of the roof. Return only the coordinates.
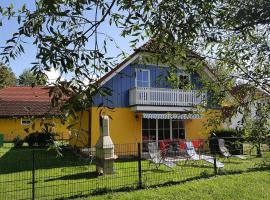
(243, 91)
(150, 46)
(26, 101)
(119, 66)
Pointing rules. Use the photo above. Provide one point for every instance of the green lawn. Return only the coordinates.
(248, 186)
(69, 176)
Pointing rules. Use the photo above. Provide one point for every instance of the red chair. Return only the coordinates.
(167, 142)
(182, 145)
(162, 145)
(197, 143)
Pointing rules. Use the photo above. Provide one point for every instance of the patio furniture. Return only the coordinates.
(194, 156)
(163, 146)
(225, 152)
(157, 158)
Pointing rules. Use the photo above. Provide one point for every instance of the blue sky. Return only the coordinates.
(24, 61)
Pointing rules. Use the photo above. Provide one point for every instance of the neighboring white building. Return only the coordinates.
(251, 98)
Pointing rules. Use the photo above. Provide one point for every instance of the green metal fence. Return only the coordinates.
(38, 173)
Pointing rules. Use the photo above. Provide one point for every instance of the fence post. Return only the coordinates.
(139, 165)
(214, 142)
(33, 174)
(215, 164)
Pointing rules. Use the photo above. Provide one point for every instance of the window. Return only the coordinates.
(163, 129)
(178, 129)
(25, 122)
(183, 81)
(142, 78)
(149, 129)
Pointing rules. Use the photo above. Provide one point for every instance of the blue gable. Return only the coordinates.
(123, 81)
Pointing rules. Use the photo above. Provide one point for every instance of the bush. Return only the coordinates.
(18, 142)
(232, 138)
(40, 139)
(44, 138)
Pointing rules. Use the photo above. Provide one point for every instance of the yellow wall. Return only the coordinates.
(80, 129)
(125, 128)
(200, 128)
(11, 127)
(195, 130)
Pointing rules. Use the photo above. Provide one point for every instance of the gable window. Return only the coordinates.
(183, 81)
(142, 78)
(25, 122)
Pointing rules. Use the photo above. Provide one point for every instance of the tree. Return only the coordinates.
(28, 78)
(257, 130)
(235, 38)
(7, 77)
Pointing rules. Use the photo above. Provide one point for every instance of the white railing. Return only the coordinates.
(166, 97)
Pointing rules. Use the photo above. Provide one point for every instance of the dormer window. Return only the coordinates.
(142, 78)
(183, 81)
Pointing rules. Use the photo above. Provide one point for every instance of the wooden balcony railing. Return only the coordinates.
(166, 97)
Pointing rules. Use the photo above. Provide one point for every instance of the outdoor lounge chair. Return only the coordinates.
(194, 156)
(225, 152)
(157, 158)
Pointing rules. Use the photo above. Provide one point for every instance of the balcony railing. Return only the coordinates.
(166, 97)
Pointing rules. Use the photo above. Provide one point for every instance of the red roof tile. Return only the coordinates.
(24, 101)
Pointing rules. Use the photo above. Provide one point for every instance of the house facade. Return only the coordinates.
(253, 99)
(145, 106)
(23, 110)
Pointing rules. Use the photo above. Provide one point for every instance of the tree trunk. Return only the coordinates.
(259, 153)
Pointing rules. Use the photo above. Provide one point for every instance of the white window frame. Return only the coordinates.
(183, 74)
(149, 129)
(157, 139)
(184, 127)
(23, 122)
(137, 69)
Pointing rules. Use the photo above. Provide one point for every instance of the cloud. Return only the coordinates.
(52, 75)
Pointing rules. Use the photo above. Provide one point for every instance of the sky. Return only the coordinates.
(24, 61)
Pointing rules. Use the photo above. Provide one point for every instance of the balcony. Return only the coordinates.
(165, 97)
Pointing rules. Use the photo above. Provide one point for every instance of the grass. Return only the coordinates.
(248, 186)
(71, 177)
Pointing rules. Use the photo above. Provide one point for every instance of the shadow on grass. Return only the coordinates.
(84, 175)
(105, 190)
(102, 191)
(195, 165)
(231, 162)
(155, 170)
(21, 159)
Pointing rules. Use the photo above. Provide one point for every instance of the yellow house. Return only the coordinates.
(146, 108)
(24, 109)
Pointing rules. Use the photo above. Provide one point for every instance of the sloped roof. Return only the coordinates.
(150, 46)
(243, 91)
(26, 101)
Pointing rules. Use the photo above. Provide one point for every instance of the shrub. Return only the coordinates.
(44, 138)
(31, 139)
(18, 142)
(232, 139)
(40, 139)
